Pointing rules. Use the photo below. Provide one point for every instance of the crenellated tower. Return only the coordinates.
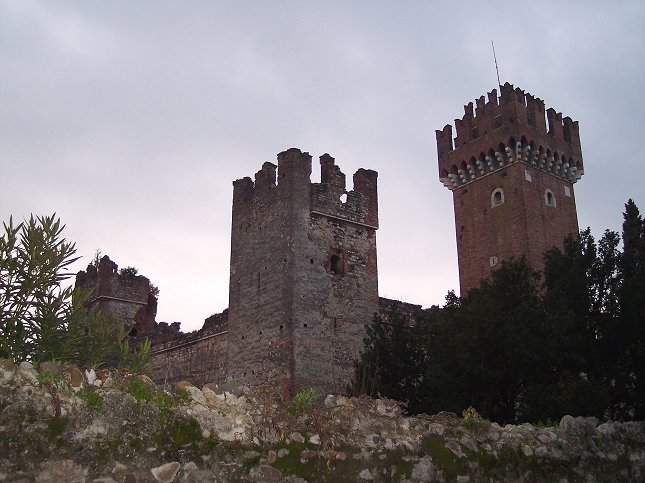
(303, 281)
(511, 171)
(122, 295)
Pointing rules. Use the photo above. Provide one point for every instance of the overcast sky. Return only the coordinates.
(130, 119)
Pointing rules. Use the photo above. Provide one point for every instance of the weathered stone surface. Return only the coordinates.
(266, 474)
(76, 376)
(61, 471)
(423, 470)
(125, 438)
(166, 473)
(182, 385)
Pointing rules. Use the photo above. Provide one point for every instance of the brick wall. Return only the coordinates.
(512, 145)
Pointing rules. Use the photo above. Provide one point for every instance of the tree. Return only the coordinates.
(33, 261)
(631, 331)
(42, 320)
(392, 361)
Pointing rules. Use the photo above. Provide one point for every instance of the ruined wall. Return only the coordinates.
(512, 181)
(198, 357)
(303, 274)
(201, 356)
(125, 297)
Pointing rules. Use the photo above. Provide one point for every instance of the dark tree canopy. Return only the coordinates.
(526, 346)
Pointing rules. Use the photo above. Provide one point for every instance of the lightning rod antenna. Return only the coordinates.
(496, 69)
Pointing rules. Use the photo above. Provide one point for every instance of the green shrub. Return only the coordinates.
(303, 401)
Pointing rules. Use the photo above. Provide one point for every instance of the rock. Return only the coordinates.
(27, 372)
(544, 438)
(330, 401)
(271, 456)
(50, 367)
(578, 424)
(266, 474)
(213, 396)
(423, 470)
(7, 369)
(103, 479)
(541, 451)
(297, 437)
(61, 471)
(75, 375)
(606, 429)
(456, 449)
(7, 365)
(190, 466)
(366, 475)
(227, 387)
(282, 452)
(196, 395)
(165, 473)
(388, 408)
(250, 455)
(469, 443)
(436, 428)
(90, 376)
(182, 385)
(314, 439)
(527, 450)
(344, 401)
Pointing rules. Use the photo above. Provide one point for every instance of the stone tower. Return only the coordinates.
(303, 281)
(126, 296)
(512, 180)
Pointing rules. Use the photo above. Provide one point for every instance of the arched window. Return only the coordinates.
(549, 198)
(497, 197)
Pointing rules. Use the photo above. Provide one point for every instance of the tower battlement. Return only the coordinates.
(329, 197)
(527, 133)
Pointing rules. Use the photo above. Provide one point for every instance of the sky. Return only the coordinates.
(130, 119)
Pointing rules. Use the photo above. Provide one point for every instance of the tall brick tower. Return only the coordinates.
(512, 181)
(303, 280)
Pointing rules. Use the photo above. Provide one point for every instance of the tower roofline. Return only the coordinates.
(499, 130)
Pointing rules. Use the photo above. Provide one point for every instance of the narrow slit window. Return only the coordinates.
(336, 265)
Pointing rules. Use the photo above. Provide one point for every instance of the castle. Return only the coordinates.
(303, 274)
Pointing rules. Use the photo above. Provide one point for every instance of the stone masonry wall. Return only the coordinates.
(198, 357)
(124, 297)
(201, 356)
(303, 274)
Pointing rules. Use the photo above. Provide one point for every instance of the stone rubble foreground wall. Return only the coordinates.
(113, 427)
